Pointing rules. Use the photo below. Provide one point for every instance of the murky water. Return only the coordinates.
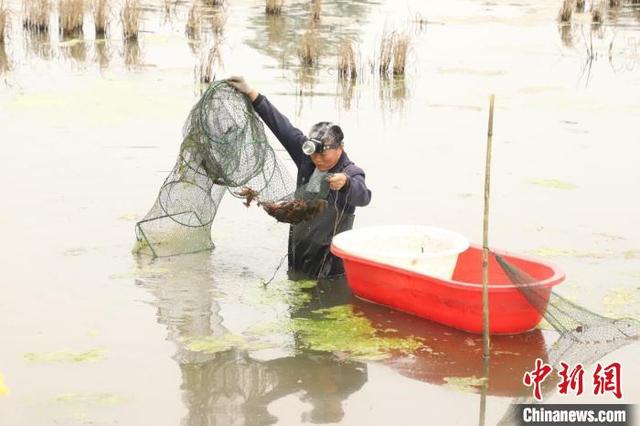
(90, 127)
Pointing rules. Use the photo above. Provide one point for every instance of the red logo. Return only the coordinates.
(536, 377)
(570, 379)
(607, 379)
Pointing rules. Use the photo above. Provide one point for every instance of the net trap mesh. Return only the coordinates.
(224, 149)
(584, 336)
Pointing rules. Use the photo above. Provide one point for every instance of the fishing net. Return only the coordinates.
(224, 149)
(585, 336)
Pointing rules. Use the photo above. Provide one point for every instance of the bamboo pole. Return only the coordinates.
(485, 268)
(485, 237)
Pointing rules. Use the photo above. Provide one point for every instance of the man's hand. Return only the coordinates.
(338, 181)
(242, 86)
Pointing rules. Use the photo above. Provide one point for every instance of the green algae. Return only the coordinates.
(302, 284)
(464, 384)
(339, 329)
(75, 251)
(554, 252)
(89, 399)
(553, 183)
(212, 345)
(619, 301)
(292, 293)
(544, 325)
(3, 388)
(129, 217)
(559, 252)
(65, 356)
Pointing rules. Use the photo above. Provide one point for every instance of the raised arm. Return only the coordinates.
(289, 136)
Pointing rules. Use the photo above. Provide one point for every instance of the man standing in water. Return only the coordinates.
(323, 157)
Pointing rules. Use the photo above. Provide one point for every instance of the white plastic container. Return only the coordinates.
(424, 249)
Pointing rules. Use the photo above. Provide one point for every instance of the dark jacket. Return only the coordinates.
(309, 242)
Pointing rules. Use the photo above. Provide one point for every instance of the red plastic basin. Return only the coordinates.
(456, 302)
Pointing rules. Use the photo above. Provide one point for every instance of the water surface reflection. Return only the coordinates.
(236, 384)
(232, 387)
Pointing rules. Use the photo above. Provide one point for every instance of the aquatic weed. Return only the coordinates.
(65, 356)
(553, 183)
(212, 344)
(308, 51)
(4, 20)
(290, 293)
(464, 384)
(618, 301)
(3, 388)
(71, 16)
(566, 11)
(36, 15)
(273, 7)
(339, 329)
(400, 53)
(130, 18)
(192, 27)
(96, 399)
(347, 68)
(597, 13)
(316, 7)
(101, 17)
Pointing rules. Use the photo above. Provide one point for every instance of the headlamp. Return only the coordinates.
(313, 146)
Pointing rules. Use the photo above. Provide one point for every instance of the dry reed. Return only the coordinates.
(400, 51)
(393, 94)
(76, 50)
(192, 27)
(420, 21)
(214, 2)
(132, 54)
(580, 5)
(218, 20)
(101, 17)
(71, 17)
(346, 93)
(386, 53)
(566, 35)
(38, 44)
(208, 64)
(4, 20)
(394, 49)
(273, 7)
(347, 68)
(5, 65)
(36, 15)
(103, 55)
(316, 7)
(130, 19)
(308, 49)
(597, 13)
(566, 11)
(615, 3)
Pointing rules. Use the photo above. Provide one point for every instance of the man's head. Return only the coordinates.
(331, 136)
